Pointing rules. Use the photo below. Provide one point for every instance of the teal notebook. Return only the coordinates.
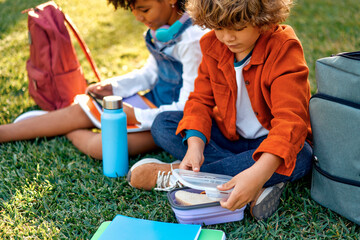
(100, 230)
(128, 228)
(211, 234)
(205, 234)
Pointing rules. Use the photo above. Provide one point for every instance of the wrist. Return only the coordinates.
(196, 143)
(266, 165)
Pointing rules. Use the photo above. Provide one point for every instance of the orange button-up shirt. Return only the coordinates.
(276, 79)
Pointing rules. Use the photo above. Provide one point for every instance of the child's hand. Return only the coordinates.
(194, 156)
(246, 186)
(100, 89)
(249, 182)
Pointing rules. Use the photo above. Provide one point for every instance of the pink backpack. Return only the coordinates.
(54, 71)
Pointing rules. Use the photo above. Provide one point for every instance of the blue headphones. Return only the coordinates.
(166, 32)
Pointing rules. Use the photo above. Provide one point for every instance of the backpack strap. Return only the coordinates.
(83, 46)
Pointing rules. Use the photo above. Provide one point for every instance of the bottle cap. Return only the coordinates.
(112, 102)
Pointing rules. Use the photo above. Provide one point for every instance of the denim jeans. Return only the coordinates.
(223, 156)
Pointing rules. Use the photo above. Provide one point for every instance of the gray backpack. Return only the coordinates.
(335, 120)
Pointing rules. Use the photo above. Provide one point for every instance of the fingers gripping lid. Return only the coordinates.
(203, 181)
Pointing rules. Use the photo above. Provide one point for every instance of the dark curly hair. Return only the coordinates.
(127, 3)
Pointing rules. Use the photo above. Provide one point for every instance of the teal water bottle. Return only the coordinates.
(114, 138)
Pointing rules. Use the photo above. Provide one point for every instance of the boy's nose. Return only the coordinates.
(140, 18)
(228, 37)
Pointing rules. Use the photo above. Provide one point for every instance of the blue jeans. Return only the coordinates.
(223, 156)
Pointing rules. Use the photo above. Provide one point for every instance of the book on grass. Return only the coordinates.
(93, 108)
(129, 228)
(205, 234)
(211, 234)
(100, 230)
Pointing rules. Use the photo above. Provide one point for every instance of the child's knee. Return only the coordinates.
(87, 142)
(167, 118)
(165, 122)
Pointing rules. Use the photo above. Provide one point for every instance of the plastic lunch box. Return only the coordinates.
(208, 213)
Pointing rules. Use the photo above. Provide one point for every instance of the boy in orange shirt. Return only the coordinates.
(248, 115)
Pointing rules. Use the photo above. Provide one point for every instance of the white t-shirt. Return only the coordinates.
(247, 124)
(187, 51)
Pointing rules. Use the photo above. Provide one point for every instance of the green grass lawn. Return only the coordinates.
(49, 190)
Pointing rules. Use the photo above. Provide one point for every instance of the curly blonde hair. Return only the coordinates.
(235, 14)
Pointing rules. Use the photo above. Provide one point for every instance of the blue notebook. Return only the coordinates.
(128, 228)
(136, 101)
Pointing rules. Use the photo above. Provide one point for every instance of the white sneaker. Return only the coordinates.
(29, 114)
(151, 173)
